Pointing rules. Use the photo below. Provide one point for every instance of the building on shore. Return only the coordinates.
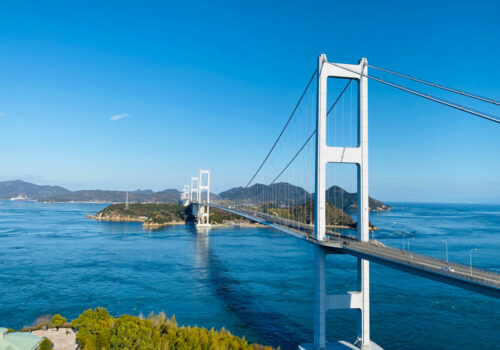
(18, 340)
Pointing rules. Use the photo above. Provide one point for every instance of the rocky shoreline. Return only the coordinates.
(143, 219)
(155, 225)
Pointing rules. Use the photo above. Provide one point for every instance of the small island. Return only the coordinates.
(156, 215)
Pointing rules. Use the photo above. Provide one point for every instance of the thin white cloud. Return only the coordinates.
(118, 117)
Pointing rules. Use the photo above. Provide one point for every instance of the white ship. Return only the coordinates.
(21, 198)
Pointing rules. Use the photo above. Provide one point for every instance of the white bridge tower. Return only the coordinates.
(195, 190)
(204, 199)
(185, 195)
(359, 299)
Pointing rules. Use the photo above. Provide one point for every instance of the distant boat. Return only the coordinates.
(21, 198)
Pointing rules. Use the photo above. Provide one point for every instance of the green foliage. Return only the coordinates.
(98, 330)
(160, 213)
(58, 320)
(304, 213)
(133, 333)
(94, 329)
(218, 216)
(46, 344)
(152, 213)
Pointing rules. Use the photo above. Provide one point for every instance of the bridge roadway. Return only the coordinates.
(485, 282)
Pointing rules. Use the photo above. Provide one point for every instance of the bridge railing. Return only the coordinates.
(420, 260)
(404, 257)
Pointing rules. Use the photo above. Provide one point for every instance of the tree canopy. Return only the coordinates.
(98, 330)
(58, 320)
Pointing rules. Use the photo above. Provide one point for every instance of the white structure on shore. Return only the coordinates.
(18, 340)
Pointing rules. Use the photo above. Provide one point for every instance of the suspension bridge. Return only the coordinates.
(290, 192)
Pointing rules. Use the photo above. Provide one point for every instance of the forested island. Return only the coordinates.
(163, 214)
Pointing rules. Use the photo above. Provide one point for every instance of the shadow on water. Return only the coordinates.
(272, 327)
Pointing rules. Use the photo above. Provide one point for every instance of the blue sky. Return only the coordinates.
(210, 84)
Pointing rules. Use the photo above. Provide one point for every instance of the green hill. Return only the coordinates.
(285, 194)
(304, 213)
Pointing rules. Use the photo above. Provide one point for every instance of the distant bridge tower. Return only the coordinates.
(126, 201)
(195, 189)
(325, 154)
(185, 195)
(204, 199)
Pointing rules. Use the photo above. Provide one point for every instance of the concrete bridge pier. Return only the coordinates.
(199, 211)
(323, 302)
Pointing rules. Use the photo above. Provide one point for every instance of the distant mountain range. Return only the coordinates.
(9, 189)
(284, 193)
(166, 196)
(287, 194)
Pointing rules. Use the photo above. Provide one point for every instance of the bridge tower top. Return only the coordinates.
(204, 186)
(195, 189)
(354, 155)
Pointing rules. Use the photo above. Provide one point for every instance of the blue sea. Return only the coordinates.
(256, 282)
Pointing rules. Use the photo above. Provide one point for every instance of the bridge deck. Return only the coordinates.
(483, 281)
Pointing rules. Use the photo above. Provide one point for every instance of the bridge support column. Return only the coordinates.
(359, 300)
(320, 302)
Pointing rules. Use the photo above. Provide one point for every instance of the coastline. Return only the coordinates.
(117, 218)
(155, 225)
(143, 219)
(75, 202)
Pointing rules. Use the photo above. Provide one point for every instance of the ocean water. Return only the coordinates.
(256, 282)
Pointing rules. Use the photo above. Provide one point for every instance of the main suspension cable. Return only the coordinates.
(456, 91)
(426, 96)
(284, 128)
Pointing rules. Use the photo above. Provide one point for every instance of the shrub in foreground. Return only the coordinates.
(98, 330)
(46, 344)
(58, 320)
